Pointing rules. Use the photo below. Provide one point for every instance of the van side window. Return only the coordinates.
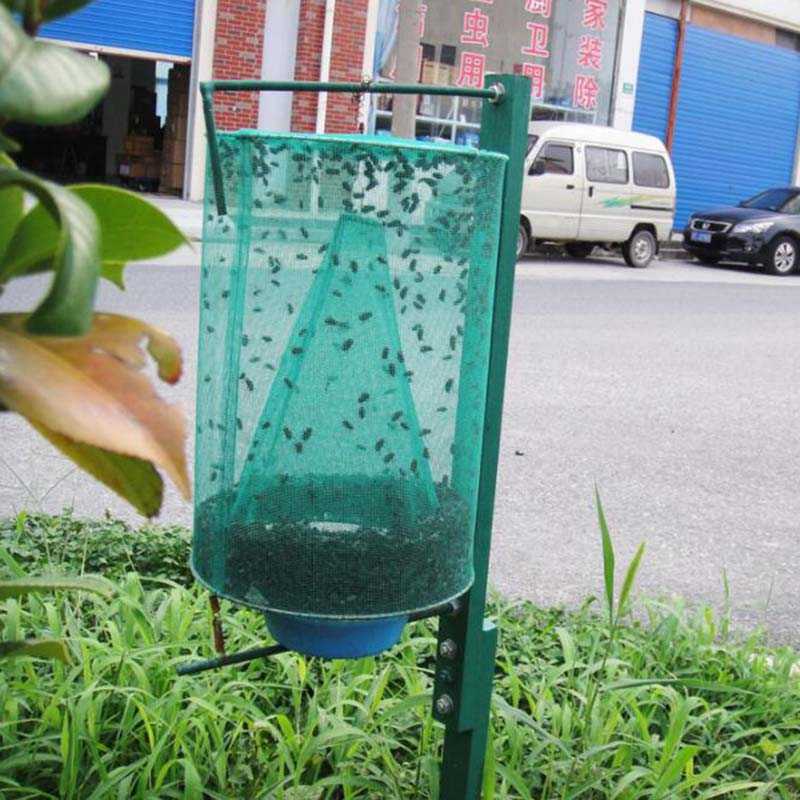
(555, 159)
(605, 165)
(650, 170)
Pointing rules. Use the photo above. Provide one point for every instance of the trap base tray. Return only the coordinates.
(335, 638)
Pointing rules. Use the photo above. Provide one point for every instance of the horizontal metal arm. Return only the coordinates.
(494, 94)
(193, 667)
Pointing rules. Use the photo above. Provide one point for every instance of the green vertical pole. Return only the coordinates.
(467, 641)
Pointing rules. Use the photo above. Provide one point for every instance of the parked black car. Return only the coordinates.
(763, 230)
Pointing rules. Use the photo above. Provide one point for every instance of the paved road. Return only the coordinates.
(675, 389)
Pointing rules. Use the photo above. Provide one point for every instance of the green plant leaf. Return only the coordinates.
(672, 771)
(19, 587)
(133, 479)
(91, 390)
(60, 8)
(11, 209)
(684, 683)
(630, 578)
(53, 649)
(131, 229)
(45, 84)
(67, 308)
(608, 557)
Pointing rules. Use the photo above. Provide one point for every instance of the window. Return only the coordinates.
(606, 166)
(532, 139)
(771, 200)
(448, 55)
(792, 206)
(556, 159)
(650, 170)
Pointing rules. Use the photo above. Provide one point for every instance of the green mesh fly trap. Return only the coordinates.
(346, 315)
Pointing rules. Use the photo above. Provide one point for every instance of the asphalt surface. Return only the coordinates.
(674, 389)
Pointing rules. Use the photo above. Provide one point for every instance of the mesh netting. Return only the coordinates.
(344, 342)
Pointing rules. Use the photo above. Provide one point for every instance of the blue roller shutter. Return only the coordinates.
(737, 121)
(654, 83)
(738, 112)
(153, 26)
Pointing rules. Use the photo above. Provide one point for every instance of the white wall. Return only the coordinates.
(277, 63)
(779, 13)
(667, 8)
(115, 110)
(630, 48)
(205, 24)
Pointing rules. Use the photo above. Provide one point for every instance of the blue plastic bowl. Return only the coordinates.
(335, 638)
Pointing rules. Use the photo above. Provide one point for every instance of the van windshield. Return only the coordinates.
(532, 139)
(771, 200)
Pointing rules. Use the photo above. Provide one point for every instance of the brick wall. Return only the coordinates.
(347, 53)
(238, 46)
(307, 62)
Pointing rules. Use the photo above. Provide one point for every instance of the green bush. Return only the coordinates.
(108, 547)
(680, 711)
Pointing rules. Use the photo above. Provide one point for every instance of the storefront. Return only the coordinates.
(137, 135)
(735, 128)
(568, 48)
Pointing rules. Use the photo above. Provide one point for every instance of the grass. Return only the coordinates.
(586, 705)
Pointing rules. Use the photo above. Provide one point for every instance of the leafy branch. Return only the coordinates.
(77, 375)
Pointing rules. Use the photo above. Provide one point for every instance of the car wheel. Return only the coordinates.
(523, 241)
(640, 249)
(708, 260)
(579, 249)
(782, 256)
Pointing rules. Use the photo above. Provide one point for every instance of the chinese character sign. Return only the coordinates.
(590, 55)
(475, 30)
(471, 70)
(595, 13)
(566, 47)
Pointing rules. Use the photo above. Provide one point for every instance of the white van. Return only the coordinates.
(586, 185)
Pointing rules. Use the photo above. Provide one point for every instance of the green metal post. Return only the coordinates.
(467, 641)
(207, 93)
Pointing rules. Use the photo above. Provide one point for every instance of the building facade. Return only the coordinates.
(720, 83)
(138, 134)
(717, 79)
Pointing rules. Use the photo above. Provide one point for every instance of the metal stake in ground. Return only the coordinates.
(467, 641)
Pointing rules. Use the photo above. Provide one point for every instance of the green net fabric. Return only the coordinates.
(345, 327)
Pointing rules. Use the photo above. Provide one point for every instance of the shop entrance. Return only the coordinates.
(135, 138)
